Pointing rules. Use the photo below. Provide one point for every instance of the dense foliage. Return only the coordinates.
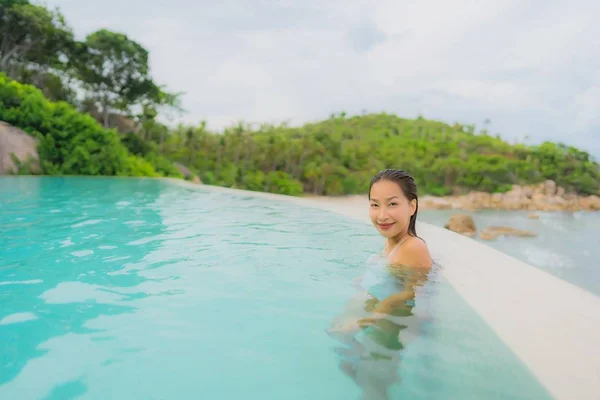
(339, 155)
(70, 142)
(104, 79)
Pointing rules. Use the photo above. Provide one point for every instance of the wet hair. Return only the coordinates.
(407, 185)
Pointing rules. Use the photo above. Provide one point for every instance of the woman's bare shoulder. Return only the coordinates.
(415, 253)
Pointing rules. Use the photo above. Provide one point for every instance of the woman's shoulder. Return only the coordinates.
(413, 252)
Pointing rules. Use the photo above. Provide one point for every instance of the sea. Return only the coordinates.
(566, 244)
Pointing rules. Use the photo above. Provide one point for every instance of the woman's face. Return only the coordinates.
(390, 209)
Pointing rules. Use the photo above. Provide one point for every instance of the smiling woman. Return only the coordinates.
(394, 207)
(382, 317)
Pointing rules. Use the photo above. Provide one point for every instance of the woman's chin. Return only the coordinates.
(387, 233)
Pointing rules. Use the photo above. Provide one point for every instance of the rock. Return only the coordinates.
(544, 196)
(481, 200)
(463, 224)
(434, 203)
(519, 191)
(493, 232)
(497, 198)
(590, 203)
(570, 196)
(538, 198)
(514, 200)
(488, 235)
(187, 174)
(533, 216)
(550, 188)
(22, 145)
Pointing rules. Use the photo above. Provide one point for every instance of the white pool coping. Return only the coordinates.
(551, 325)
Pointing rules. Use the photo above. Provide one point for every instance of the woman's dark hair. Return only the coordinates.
(407, 185)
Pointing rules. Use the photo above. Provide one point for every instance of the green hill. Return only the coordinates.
(332, 157)
(339, 156)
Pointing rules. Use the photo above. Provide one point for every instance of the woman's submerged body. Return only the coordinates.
(382, 318)
(380, 321)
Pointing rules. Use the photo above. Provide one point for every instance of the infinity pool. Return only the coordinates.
(142, 289)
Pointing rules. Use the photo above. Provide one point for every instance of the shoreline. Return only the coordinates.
(554, 338)
(545, 197)
(432, 203)
(478, 201)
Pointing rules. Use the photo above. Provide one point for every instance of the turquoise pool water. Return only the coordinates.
(134, 288)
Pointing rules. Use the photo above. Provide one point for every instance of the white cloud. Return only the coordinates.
(531, 67)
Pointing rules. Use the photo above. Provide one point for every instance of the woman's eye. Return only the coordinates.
(393, 204)
(373, 205)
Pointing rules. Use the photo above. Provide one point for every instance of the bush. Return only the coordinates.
(71, 143)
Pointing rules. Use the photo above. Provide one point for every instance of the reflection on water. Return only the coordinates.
(383, 317)
(45, 231)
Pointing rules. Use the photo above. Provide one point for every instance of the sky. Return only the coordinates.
(531, 67)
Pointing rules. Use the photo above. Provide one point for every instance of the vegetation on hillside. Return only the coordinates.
(339, 156)
(43, 66)
(70, 142)
(96, 104)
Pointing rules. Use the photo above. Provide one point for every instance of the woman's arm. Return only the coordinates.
(413, 263)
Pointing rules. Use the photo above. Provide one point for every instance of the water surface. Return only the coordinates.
(139, 288)
(566, 244)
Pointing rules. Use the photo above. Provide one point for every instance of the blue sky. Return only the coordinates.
(532, 68)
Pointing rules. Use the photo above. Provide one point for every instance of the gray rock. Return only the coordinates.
(22, 145)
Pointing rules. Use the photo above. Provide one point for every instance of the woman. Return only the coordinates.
(393, 210)
(386, 318)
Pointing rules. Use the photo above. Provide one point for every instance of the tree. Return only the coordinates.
(32, 36)
(114, 69)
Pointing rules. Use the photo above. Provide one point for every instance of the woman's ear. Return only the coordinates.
(413, 207)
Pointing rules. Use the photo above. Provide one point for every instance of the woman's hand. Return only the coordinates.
(372, 320)
(371, 304)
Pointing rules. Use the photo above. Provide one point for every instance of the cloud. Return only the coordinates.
(530, 67)
(365, 35)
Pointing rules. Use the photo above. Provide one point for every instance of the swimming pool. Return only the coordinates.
(138, 288)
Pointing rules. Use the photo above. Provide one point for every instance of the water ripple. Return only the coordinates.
(136, 277)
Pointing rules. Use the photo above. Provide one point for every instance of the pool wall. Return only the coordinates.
(551, 325)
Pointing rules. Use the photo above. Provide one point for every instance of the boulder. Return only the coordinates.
(493, 232)
(463, 224)
(544, 196)
(590, 203)
(549, 188)
(497, 198)
(187, 174)
(434, 203)
(14, 141)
